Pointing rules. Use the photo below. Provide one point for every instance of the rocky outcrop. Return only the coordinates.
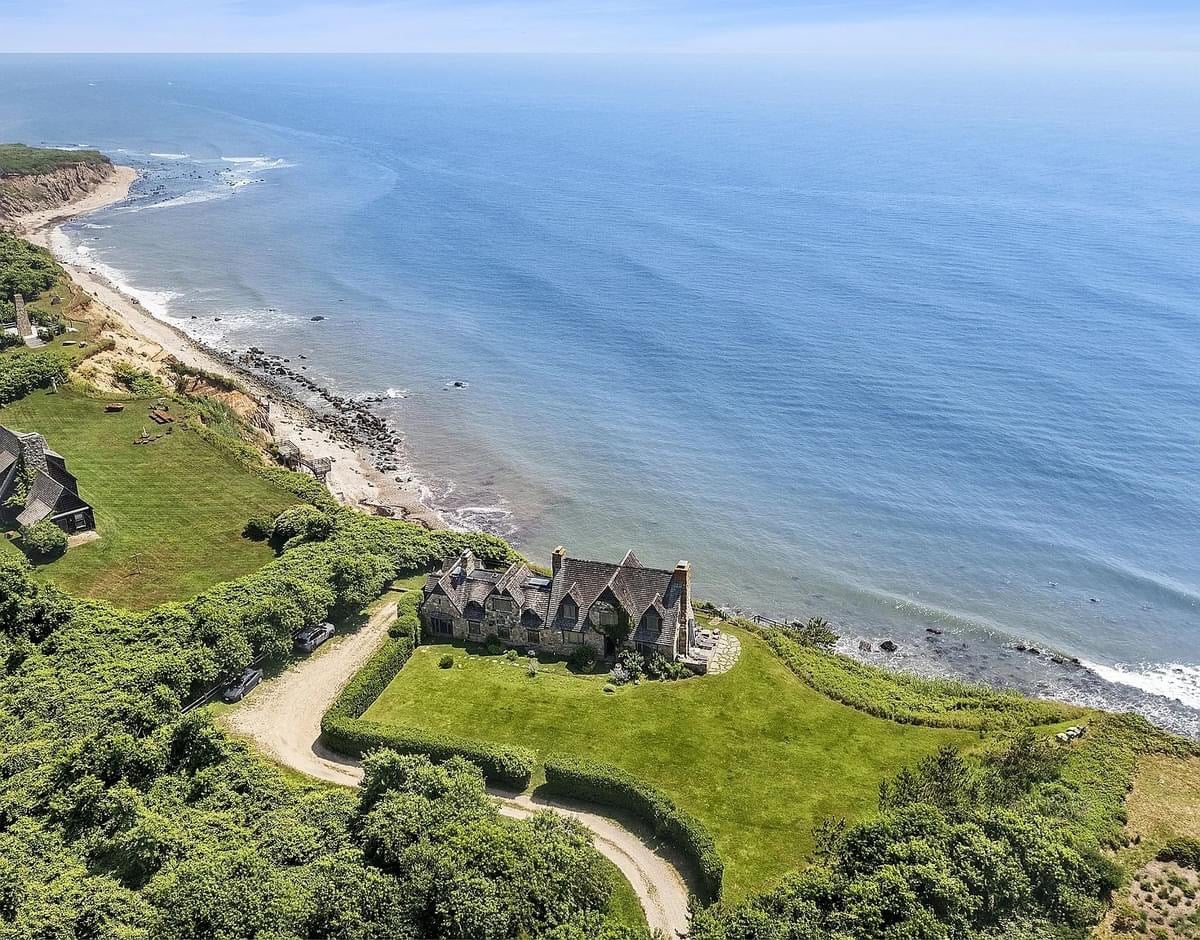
(19, 194)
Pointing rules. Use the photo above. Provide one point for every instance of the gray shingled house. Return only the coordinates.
(593, 603)
(41, 483)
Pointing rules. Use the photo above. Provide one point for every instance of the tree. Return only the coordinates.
(44, 540)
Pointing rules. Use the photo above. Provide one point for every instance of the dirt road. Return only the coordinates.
(283, 716)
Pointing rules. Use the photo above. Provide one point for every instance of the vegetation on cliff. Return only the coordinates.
(23, 160)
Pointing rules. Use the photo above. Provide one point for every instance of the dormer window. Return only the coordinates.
(568, 610)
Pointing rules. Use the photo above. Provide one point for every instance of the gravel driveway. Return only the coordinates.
(283, 717)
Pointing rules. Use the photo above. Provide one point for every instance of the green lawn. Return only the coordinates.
(169, 514)
(755, 754)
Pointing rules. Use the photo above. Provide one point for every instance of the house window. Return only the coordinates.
(441, 626)
(503, 604)
(568, 611)
(535, 636)
(474, 627)
(606, 617)
(503, 632)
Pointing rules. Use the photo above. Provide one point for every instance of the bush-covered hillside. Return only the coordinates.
(119, 818)
(22, 160)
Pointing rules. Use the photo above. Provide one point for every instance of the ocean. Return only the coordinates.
(910, 346)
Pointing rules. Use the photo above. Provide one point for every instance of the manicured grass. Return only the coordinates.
(755, 754)
(170, 514)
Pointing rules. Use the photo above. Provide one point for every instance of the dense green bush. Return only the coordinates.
(583, 658)
(612, 786)
(119, 818)
(905, 698)
(25, 269)
(24, 370)
(446, 662)
(408, 621)
(259, 528)
(44, 540)
(138, 382)
(1182, 851)
(301, 522)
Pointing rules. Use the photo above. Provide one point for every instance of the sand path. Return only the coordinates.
(283, 717)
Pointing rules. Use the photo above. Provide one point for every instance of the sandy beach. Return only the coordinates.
(138, 334)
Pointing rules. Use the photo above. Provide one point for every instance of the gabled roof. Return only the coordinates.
(630, 585)
(44, 494)
(633, 586)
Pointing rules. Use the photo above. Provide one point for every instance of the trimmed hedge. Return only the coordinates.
(408, 621)
(603, 783)
(508, 766)
(346, 731)
(908, 699)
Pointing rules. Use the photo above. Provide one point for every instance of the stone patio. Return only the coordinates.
(725, 654)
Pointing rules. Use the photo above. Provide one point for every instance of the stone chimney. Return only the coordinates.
(682, 576)
(24, 327)
(556, 559)
(33, 450)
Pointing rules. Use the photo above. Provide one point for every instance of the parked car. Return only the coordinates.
(241, 686)
(310, 638)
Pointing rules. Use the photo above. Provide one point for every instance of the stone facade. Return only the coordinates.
(601, 605)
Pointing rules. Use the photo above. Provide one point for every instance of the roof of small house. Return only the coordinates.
(52, 489)
(44, 493)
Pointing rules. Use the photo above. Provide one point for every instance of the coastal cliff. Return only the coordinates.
(55, 186)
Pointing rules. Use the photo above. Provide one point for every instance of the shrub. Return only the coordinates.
(1183, 851)
(136, 381)
(446, 662)
(612, 786)
(531, 669)
(259, 527)
(301, 522)
(583, 658)
(493, 645)
(23, 370)
(512, 656)
(408, 621)
(44, 540)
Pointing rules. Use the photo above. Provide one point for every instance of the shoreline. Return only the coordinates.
(369, 471)
(354, 478)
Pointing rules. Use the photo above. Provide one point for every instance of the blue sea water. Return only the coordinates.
(904, 345)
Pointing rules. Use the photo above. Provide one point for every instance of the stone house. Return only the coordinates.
(38, 481)
(603, 605)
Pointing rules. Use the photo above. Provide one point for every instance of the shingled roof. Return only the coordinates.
(629, 585)
(52, 488)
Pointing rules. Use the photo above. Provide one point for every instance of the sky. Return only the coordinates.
(790, 27)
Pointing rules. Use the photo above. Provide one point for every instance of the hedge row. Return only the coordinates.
(346, 731)
(904, 698)
(408, 620)
(603, 783)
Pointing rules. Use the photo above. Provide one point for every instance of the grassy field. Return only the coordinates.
(169, 514)
(755, 754)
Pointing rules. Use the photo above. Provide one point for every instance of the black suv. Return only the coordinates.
(310, 638)
(239, 687)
